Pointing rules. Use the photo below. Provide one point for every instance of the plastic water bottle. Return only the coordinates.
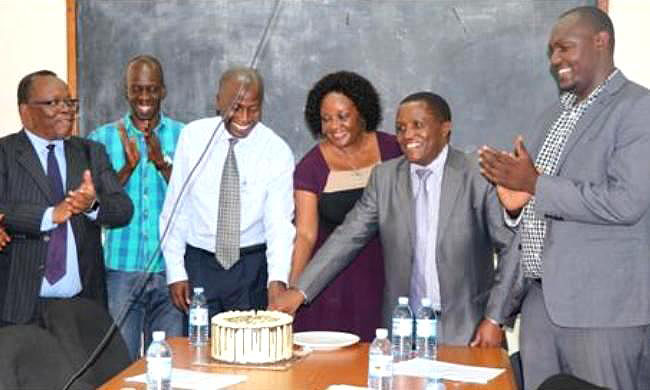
(198, 321)
(402, 330)
(159, 363)
(380, 362)
(426, 338)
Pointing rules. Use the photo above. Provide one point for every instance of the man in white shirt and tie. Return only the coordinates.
(440, 225)
(236, 244)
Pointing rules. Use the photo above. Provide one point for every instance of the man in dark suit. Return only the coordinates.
(56, 192)
(581, 202)
(444, 250)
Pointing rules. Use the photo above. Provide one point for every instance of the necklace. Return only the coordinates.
(360, 174)
(354, 170)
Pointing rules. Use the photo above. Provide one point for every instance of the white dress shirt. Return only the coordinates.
(265, 165)
(434, 187)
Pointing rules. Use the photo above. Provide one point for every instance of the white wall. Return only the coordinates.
(32, 37)
(632, 28)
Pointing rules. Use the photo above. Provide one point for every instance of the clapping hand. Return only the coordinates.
(82, 198)
(131, 153)
(514, 174)
(514, 171)
(4, 236)
(154, 152)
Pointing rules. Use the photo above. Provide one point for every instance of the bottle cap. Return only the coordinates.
(403, 300)
(426, 302)
(381, 333)
(158, 335)
(198, 290)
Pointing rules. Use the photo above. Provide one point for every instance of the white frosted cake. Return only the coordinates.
(252, 337)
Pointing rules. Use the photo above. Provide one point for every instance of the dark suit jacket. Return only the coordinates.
(470, 229)
(25, 195)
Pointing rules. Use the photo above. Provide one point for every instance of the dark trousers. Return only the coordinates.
(242, 287)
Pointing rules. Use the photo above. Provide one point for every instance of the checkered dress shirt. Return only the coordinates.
(534, 226)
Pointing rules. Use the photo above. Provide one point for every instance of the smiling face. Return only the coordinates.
(47, 122)
(580, 57)
(420, 134)
(145, 92)
(240, 104)
(341, 122)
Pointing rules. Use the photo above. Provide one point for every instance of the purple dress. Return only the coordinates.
(352, 301)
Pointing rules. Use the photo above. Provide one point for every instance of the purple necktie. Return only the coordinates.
(55, 262)
(422, 217)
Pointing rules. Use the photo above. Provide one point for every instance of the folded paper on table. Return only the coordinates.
(188, 379)
(450, 371)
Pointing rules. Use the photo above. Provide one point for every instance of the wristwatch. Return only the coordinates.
(494, 322)
(167, 162)
(93, 206)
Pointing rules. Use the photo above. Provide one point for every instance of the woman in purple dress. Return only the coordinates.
(343, 111)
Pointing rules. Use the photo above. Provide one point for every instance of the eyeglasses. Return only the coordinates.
(72, 104)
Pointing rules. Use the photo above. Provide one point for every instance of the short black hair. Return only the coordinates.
(25, 85)
(354, 87)
(436, 103)
(596, 19)
(147, 59)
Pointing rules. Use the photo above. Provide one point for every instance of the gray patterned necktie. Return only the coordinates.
(422, 217)
(227, 245)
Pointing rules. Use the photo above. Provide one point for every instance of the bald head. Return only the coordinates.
(145, 91)
(239, 100)
(247, 77)
(146, 60)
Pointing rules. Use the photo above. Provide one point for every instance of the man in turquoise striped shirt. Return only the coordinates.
(140, 146)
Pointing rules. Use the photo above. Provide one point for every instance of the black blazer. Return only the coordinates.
(24, 196)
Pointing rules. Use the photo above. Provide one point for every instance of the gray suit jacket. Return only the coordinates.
(24, 196)
(596, 258)
(470, 228)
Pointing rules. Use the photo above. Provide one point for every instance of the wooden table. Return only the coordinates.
(321, 369)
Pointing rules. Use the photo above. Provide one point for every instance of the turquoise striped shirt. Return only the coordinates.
(130, 247)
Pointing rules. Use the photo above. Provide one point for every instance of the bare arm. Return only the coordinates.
(306, 232)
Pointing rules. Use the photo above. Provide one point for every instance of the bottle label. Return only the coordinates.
(380, 365)
(402, 327)
(425, 328)
(199, 317)
(159, 367)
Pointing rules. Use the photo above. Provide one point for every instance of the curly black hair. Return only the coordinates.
(354, 87)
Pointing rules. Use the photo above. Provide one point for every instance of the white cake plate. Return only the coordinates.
(324, 341)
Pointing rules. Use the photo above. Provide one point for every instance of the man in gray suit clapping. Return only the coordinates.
(580, 202)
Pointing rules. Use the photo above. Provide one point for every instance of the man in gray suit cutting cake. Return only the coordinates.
(440, 224)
